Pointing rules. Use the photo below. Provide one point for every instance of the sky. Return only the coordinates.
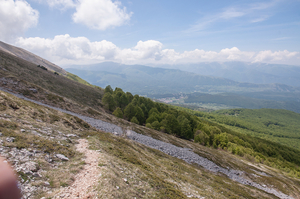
(154, 32)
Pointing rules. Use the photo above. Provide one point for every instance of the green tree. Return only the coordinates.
(139, 115)
(153, 117)
(129, 96)
(185, 129)
(201, 137)
(134, 120)
(108, 89)
(155, 125)
(123, 101)
(108, 101)
(172, 125)
(221, 140)
(129, 111)
(117, 97)
(153, 110)
(145, 110)
(118, 113)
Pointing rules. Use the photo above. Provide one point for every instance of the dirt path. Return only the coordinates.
(83, 186)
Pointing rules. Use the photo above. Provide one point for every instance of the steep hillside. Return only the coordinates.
(28, 56)
(54, 142)
(25, 77)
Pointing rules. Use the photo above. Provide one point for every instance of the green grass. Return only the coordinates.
(276, 125)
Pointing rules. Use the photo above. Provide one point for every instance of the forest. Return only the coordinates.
(196, 126)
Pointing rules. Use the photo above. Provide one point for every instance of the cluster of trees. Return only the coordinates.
(187, 124)
(144, 111)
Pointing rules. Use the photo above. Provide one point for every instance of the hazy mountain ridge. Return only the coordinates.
(257, 73)
(152, 80)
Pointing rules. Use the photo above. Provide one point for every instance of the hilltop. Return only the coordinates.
(28, 56)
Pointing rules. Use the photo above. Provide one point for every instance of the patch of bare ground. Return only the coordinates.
(87, 179)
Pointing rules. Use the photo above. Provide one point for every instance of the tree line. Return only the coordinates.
(187, 125)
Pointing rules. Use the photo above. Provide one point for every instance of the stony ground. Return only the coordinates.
(87, 179)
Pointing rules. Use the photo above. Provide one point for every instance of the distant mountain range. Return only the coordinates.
(153, 80)
(257, 73)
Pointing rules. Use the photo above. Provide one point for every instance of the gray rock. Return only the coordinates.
(33, 90)
(1, 134)
(36, 133)
(71, 135)
(10, 139)
(23, 130)
(29, 166)
(62, 157)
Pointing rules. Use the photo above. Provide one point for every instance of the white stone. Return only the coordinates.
(62, 157)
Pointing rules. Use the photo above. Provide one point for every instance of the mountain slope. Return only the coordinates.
(126, 167)
(28, 56)
(22, 76)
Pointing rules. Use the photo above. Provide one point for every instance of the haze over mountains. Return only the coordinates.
(261, 91)
(256, 73)
(144, 79)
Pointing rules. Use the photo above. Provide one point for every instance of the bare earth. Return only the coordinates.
(87, 179)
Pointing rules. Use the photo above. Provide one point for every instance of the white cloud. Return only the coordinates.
(59, 3)
(63, 49)
(66, 50)
(252, 13)
(15, 18)
(231, 13)
(100, 14)
(278, 56)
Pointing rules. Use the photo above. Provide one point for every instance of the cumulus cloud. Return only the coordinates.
(269, 56)
(66, 50)
(100, 14)
(15, 18)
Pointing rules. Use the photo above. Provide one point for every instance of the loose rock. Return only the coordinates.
(62, 157)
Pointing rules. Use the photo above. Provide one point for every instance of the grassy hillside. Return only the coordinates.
(24, 54)
(19, 70)
(149, 173)
(276, 125)
(280, 126)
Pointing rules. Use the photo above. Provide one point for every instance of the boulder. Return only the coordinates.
(62, 157)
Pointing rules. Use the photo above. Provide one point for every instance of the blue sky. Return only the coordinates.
(154, 32)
